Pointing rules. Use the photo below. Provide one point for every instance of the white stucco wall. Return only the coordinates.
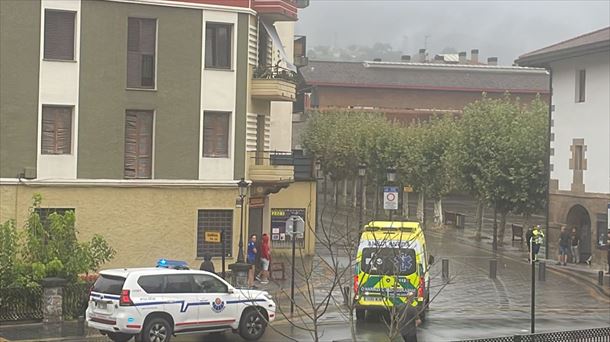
(588, 120)
(281, 112)
(218, 88)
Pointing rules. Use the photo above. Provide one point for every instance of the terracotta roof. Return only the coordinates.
(430, 76)
(581, 44)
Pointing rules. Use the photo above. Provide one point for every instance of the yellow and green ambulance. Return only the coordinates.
(392, 265)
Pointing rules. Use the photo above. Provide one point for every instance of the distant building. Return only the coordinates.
(580, 137)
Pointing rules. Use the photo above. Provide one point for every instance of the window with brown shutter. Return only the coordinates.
(59, 35)
(216, 134)
(218, 45)
(138, 144)
(141, 45)
(56, 135)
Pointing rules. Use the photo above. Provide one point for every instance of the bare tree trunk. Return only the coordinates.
(405, 204)
(344, 193)
(526, 221)
(325, 190)
(355, 193)
(479, 218)
(421, 210)
(502, 228)
(364, 204)
(494, 243)
(335, 193)
(376, 200)
(438, 212)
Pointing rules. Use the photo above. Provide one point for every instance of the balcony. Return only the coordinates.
(270, 167)
(276, 10)
(273, 84)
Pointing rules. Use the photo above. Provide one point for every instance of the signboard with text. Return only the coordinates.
(390, 197)
(279, 237)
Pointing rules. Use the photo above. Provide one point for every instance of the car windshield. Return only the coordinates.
(109, 284)
(388, 261)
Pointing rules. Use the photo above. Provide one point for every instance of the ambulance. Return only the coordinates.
(392, 265)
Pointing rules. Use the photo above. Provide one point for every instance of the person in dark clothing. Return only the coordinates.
(575, 241)
(408, 320)
(564, 246)
(207, 264)
(528, 238)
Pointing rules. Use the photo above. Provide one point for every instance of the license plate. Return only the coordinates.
(101, 305)
(373, 299)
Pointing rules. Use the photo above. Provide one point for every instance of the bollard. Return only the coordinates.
(346, 291)
(445, 270)
(542, 271)
(493, 268)
(600, 278)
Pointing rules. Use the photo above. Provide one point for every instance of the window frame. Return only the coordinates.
(196, 285)
(214, 64)
(214, 142)
(56, 149)
(46, 39)
(581, 86)
(138, 156)
(140, 86)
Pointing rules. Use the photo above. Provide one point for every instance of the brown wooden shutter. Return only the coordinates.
(216, 134)
(56, 130)
(141, 45)
(138, 144)
(59, 35)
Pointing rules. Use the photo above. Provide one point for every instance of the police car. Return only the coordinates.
(154, 304)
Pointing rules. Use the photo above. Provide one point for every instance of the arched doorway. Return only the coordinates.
(579, 217)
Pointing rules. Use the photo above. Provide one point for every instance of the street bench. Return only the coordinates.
(454, 219)
(517, 231)
(277, 267)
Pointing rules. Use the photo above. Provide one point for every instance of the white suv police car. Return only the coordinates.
(153, 304)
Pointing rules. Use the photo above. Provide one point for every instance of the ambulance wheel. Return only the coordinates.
(360, 314)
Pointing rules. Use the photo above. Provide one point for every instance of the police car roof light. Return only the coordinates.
(179, 264)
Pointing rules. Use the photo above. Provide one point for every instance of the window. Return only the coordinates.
(179, 283)
(209, 284)
(141, 45)
(216, 134)
(580, 85)
(109, 284)
(214, 221)
(388, 261)
(152, 284)
(59, 35)
(138, 144)
(56, 130)
(218, 46)
(578, 157)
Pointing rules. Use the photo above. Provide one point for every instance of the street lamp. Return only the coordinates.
(243, 191)
(318, 167)
(361, 175)
(391, 177)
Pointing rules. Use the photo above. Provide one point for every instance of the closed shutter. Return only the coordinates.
(138, 144)
(141, 45)
(56, 130)
(59, 35)
(214, 221)
(216, 134)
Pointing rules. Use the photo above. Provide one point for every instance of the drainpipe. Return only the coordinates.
(548, 163)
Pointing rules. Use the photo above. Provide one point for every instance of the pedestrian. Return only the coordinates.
(528, 238)
(408, 319)
(564, 246)
(207, 264)
(608, 246)
(265, 260)
(574, 242)
(252, 251)
(536, 241)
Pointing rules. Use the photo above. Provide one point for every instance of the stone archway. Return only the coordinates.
(579, 217)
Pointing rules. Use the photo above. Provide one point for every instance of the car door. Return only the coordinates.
(217, 307)
(181, 301)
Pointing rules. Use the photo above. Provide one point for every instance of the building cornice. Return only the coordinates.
(425, 87)
(193, 5)
(121, 183)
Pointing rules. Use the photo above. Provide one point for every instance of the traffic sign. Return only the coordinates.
(300, 226)
(407, 188)
(212, 237)
(390, 197)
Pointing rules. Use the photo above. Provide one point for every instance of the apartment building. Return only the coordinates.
(143, 115)
(579, 185)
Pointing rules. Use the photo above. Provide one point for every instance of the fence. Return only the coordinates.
(586, 335)
(75, 300)
(21, 303)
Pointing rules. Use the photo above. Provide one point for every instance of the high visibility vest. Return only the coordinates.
(537, 236)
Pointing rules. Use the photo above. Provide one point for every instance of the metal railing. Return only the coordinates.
(75, 300)
(21, 303)
(274, 158)
(585, 335)
(274, 72)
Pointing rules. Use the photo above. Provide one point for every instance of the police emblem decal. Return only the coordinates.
(218, 305)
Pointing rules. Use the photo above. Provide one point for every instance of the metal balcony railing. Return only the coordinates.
(274, 73)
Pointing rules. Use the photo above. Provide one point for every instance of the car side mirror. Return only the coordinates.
(431, 259)
(230, 290)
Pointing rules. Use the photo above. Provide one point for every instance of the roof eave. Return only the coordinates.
(543, 60)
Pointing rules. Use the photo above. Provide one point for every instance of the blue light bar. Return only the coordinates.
(178, 264)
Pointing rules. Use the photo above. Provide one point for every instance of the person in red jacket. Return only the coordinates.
(265, 259)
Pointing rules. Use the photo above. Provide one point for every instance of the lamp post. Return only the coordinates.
(243, 191)
(391, 177)
(361, 175)
(319, 174)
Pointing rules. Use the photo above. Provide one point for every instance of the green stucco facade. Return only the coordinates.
(241, 96)
(104, 97)
(19, 65)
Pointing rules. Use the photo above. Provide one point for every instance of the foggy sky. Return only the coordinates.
(505, 29)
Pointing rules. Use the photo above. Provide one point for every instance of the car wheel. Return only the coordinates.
(252, 325)
(360, 314)
(119, 337)
(157, 330)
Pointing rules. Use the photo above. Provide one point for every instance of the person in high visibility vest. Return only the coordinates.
(536, 240)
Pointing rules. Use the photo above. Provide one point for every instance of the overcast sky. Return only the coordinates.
(505, 29)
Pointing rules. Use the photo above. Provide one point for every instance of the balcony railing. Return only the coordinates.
(274, 84)
(270, 166)
(275, 72)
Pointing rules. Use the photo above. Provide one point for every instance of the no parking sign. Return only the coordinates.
(390, 197)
